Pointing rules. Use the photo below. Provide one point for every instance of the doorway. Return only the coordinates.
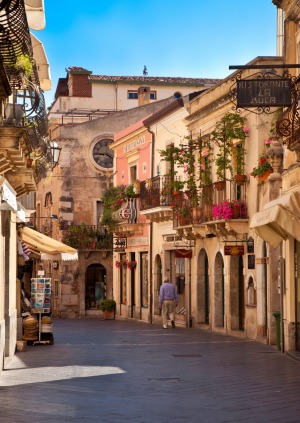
(95, 286)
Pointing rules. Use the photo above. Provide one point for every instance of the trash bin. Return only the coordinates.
(276, 314)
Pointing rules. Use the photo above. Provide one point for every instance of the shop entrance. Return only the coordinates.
(95, 286)
(297, 297)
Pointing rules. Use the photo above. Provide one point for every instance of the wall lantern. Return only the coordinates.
(250, 245)
(55, 151)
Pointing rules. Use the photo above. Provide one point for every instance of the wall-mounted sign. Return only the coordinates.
(135, 241)
(119, 244)
(234, 250)
(183, 253)
(263, 92)
(251, 261)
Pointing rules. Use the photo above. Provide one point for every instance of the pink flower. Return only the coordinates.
(268, 142)
(246, 130)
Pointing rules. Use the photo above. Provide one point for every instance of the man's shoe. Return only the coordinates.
(164, 327)
(173, 324)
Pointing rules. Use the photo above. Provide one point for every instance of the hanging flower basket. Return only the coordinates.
(240, 179)
(131, 264)
(118, 264)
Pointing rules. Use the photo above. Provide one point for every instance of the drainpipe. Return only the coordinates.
(151, 232)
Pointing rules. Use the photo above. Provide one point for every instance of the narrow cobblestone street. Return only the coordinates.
(127, 371)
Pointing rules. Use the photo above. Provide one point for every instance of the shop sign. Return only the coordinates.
(134, 144)
(9, 196)
(136, 241)
(119, 244)
(234, 250)
(183, 253)
(263, 92)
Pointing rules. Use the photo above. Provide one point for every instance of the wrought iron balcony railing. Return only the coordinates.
(88, 237)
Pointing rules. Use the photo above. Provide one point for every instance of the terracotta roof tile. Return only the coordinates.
(163, 80)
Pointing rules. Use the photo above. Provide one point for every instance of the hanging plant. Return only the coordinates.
(131, 264)
(24, 64)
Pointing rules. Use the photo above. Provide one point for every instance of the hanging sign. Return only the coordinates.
(234, 250)
(182, 253)
(263, 92)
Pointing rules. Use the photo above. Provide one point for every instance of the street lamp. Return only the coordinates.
(55, 152)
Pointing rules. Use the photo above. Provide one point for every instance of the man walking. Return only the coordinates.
(168, 300)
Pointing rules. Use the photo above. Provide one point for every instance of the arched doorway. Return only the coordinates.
(219, 291)
(203, 288)
(95, 285)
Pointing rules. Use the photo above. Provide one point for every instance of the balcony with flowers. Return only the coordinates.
(120, 210)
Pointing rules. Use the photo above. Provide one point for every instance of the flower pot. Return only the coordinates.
(240, 179)
(220, 185)
(265, 175)
(236, 212)
(184, 221)
(197, 214)
(108, 315)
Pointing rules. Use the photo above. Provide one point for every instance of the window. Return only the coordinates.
(133, 95)
(177, 94)
(133, 174)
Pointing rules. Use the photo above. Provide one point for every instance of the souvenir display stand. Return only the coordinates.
(41, 304)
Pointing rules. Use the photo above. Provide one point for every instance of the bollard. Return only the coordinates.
(276, 314)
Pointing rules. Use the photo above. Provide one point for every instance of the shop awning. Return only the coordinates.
(49, 248)
(279, 219)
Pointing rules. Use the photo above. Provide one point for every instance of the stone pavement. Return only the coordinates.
(127, 371)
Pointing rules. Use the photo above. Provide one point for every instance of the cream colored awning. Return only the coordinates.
(42, 63)
(279, 219)
(50, 248)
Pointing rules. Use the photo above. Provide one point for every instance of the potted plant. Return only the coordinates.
(228, 209)
(263, 169)
(108, 306)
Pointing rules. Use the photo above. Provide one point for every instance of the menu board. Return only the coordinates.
(40, 295)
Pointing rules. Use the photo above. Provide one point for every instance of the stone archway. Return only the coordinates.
(219, 311)
(95, 285)
(203, 309)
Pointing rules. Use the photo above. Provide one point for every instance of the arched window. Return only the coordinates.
(177, 94)
(251, 294)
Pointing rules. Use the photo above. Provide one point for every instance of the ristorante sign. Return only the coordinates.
(263, 92)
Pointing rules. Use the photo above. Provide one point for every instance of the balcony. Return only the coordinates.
(88, 237)
(199, 221)
(23, 118)
(156, 199)
(127, 222)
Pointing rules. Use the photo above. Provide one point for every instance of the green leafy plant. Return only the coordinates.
(262, 167)
(229, 129)
(107, 305)
(24, 63)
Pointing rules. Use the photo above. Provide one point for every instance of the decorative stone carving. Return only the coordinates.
(275, 157)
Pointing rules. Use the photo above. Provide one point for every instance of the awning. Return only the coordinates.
(279, 219)
(42, 63)
(49, 248)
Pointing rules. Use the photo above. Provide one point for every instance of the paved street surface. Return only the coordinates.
(127, 371)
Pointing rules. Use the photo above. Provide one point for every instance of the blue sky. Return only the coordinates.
(184, 38)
